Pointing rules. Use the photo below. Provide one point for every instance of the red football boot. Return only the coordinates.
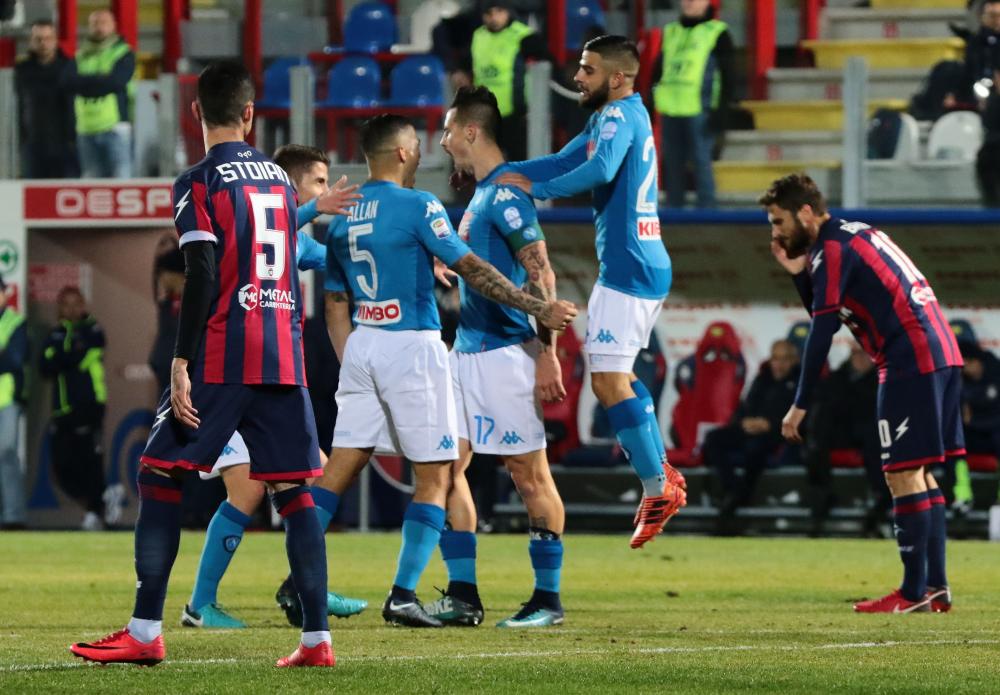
(320, 655)
(121, 648)
(654, 512)
(893, 603)
(940, 598)
(674, 476)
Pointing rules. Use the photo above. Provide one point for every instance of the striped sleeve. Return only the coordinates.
(191, 216)
(829, 268)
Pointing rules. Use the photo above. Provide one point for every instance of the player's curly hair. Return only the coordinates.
(478, 105)
(792, 192)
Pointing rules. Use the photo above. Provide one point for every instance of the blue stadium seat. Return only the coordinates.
(278, 84)
(581, 15)
(370, 28)
(355, 82)
(417, 81)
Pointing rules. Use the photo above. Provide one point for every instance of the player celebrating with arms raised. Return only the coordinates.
(238, 366)
(501, 373)
(850, 273)
(615, 157)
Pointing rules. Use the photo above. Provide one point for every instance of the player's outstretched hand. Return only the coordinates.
(180, 394)
(548, 378)
(790, 425)
(512, 179)
(558, 314)
(339, 198)
(792, 265)
(443, 273)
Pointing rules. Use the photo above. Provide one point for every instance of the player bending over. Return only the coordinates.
(308, 168)
(501, 372)
(850, 273)
(238, 366)
(395, 379)
(615, 157)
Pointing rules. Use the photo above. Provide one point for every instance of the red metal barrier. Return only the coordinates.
(127, 15)
(253, 16)
(762, 40)
(174, 12)
(67, 27)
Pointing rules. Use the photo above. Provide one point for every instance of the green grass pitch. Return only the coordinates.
(699, 615)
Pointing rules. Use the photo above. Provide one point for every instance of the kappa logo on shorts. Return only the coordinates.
(604, 336)
(511, 438)
(228, 450)
(230, 543)
(447, 443)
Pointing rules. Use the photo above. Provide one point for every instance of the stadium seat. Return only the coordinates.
(278, 84)
(423, 20)
(581, 15)
(956, 136)
(709, 384)
(370, 28)
(354, 82)
(908, 145)
(982, 463)
(846, 458)
(417, 81)
(561, 428)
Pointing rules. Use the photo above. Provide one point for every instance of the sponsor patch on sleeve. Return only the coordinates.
(608, 130)
(649, 228)
(513, 217)
(439, 226)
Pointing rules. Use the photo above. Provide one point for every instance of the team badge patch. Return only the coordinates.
(440, 227)
(513, 217)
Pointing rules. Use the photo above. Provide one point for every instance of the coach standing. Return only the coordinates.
(103, 85)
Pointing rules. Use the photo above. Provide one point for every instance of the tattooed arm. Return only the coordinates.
(542, 284)
(492, 284)
(338, 320)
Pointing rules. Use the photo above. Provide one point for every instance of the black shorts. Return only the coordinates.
(276, 422)
(920, 419)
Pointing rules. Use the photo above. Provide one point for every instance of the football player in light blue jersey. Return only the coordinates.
(501, 372)
(615, 158)
(307, 167)
(395, 378)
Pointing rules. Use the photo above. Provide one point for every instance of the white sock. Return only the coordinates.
(311, 639)
(145, 630)
(653, 487)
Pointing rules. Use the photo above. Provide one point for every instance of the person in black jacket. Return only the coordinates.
(754, 433)
(73, 357)
(980, 399)
(45, 108)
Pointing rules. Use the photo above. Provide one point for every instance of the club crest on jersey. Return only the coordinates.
(649, 228)
(922, 295)
(608, 130)
(378, 313)
(433, 208)
(465, 225)
(503, 195)
(513, 217)
(439, 226)
(247, 297)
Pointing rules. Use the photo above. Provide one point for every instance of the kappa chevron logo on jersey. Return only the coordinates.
(447, 443)
(511, 438)
(181, 204)
(503, 195)
(816, 261)
(433, 208)
(614, 112)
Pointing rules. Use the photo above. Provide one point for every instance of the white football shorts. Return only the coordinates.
(618, 327)
(235, 453)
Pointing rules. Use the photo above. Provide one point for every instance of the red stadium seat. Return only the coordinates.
(711, 393)
(846, 458)
(562, 416)
(983, 463)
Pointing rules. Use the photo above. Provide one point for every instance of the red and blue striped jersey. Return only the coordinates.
(882, 297)
(242, 202)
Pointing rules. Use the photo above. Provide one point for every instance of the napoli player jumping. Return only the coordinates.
(238, 366)
(850, 273)
(395, 380)
(308, 168)
(615, 157)
(501, 373)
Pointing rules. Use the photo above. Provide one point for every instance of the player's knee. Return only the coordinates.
(433, 477)
(530, 481)
(610, 387)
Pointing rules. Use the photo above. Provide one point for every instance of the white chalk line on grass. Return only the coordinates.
(534, 654)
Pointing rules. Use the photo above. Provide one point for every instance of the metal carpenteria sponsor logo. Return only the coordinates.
(649, 228)
(251, 297)
(378, 313)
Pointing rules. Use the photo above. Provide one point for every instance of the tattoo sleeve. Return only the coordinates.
(541, 284)
(491, 283)
(338, 320)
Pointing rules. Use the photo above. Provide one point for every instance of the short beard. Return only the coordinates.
(596, 99)
(799, 244)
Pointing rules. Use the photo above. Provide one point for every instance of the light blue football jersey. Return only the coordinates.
(384, 253)
(615, 157)
(499, 221)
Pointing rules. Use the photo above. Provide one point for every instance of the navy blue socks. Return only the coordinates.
(912, 524)
(936, 539)
(306, 553)
(157, 536)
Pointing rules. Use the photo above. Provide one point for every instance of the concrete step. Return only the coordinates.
(903, 4)
(885, 53)
(773, 146)
(823, 114)
(754, 177)
(895, 23)
(802, 84)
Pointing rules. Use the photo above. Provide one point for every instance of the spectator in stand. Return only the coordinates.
(496, 59)
(982, 49)
(843, 417)
(45, 108)
(980, 399)
(73, 357)
(103, 85)
(13, 356)
(693, 78)
(754, 433)
(988, 158)
(168, 284)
